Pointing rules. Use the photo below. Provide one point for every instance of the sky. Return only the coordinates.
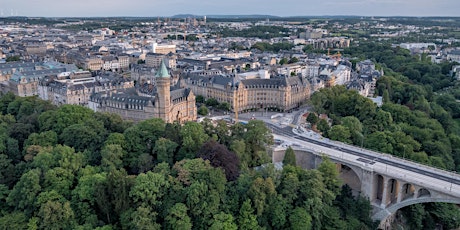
(154, 8)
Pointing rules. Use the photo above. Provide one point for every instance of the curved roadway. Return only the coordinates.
(287, 131)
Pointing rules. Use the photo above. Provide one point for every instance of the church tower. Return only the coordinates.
(163, 83)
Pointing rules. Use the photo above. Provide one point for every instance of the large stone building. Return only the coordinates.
(22, 79)
(155, 59)
(281, 92)
(153, 101)
(163, 49)
(77, 87)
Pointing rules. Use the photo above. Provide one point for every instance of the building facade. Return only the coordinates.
(153, 101)
(76, 88)
(281, 92)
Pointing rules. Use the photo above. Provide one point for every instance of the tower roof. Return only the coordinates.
(162, 72)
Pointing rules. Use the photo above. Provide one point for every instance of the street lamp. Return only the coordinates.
(404, 152)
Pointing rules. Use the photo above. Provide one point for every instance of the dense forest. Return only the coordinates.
(419, 119)
(71, 168)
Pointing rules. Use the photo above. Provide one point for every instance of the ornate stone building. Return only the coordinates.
(280, 92)
(140, 103)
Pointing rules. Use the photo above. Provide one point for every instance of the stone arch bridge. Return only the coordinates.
(390, 183)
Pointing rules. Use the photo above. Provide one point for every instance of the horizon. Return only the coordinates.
(288, 8)
(234, 16)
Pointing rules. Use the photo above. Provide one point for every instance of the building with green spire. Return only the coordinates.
(158, 100)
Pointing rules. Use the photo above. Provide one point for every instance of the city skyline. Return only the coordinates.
(148, 8)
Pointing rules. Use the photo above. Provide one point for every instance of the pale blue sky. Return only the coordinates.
(76, 8)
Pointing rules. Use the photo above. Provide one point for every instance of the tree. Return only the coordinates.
(220, 156)
(203, 110)
(289, 157)
(211, 102)
(239, 148)
(260, 192)
(59, 180)
(81, 137)
(140, 139)
(14, 220)
(143, 218)
(257, 137)
(312, 118)
(177, 218)
(323, 126)
(330, 175)
(223, 221)
(43, 139)
(283, 61)
(56, 215)
(193, 137)
(293, 60)
(13, 58)
(7, 172)
(68, 115)
(199, 99)
(300, 219)
(112, 157)
(246, 218)
(223, 133)
(339, 133)
(204, 189)
(355, 127)
(25, 192)
(164, 150)
(224, 106)
(149, 189)
(112, 122)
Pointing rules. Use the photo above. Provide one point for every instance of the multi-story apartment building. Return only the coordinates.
(454, 56)
(123, 61)
(342, 74)
(112, 63)
(94, 64)
(155, 59)
(333, 42)
(163, 49)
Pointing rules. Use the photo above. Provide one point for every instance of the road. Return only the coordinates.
(372, 157)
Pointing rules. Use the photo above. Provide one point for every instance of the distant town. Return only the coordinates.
(110, 64)
(230, 122)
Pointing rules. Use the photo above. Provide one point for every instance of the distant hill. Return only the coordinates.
(224, 16)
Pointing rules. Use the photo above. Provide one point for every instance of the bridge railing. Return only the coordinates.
(383, 155)
(396, 172)
(399, 159)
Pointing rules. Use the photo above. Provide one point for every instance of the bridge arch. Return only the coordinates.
(423, 192)
(385, 213)
(379, 188)
(392, 191)
(351, 177)
(407, 191)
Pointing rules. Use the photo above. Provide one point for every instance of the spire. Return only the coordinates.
(162, 72)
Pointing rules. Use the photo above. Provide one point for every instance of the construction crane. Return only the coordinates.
(336, 56)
